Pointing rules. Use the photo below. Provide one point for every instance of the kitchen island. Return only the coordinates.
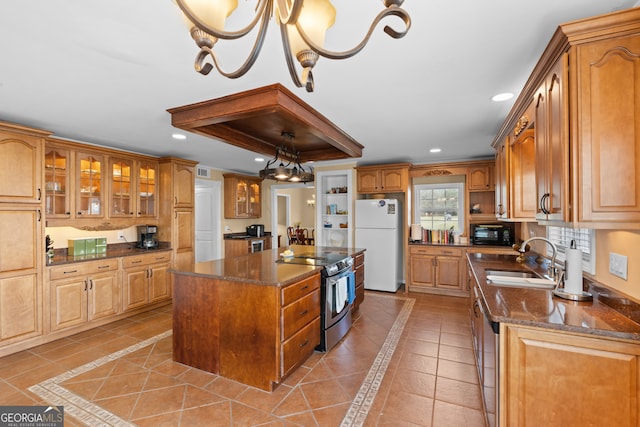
(544, 360)
(247, 318)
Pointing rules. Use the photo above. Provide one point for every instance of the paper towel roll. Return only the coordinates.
(573, 272)
(416, 232)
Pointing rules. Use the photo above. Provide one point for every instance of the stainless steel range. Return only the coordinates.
(335, 312)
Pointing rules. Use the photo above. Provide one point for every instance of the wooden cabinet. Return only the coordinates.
(145, 279)
(552, 144)
(82, 292)
(57, 178)
(383, 178)
(21, 228)
(90, 180)
(237, 247)
(242, 196)
(608, 137)
(480, 177)
(358, 268)
(522, 177)
(132, 188)
(176, 222)
(436, 269)
(481, 191)
(560, 378)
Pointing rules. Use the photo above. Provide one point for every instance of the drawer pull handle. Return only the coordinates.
(136, 262)
(304, 287)
(304, 343)
(159, 258)
(70, 271)
(103, 266)
(302, 313)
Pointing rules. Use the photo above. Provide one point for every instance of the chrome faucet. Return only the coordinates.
(553, 271)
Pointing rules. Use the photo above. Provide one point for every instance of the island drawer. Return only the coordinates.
(146, 259)
(299, 313)
(82, 268)
(300, 289)
(300, 346)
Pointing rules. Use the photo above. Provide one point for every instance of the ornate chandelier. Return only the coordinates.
(302, 23)
(287, 158)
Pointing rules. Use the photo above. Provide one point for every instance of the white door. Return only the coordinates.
(208, 237)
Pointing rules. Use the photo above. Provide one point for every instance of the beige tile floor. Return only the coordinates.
(406, 362)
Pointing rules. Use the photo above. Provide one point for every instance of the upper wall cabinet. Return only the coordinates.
(607, 152)
(20, 164)
(242, 196)
(383, 178)
(586, 93)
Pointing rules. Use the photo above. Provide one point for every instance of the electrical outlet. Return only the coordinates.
(120, 235)
(227, 229)
(618, 265)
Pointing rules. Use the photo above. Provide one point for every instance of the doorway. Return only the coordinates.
(290, 206)
(208, 221)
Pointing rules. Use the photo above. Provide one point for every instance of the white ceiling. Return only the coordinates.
(105, 72)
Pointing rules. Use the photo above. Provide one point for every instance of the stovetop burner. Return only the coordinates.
(331, 261)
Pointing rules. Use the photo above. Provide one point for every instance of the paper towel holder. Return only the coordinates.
(561, 293)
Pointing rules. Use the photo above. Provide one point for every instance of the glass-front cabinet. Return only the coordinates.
(90, 182)
(242, 196)
(334, 203)
(56, 178)
(147, 189)
(121, 186)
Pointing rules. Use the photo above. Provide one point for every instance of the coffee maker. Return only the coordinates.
(147, 236)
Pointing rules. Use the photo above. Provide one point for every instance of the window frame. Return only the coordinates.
(459, 185)
(585, 241)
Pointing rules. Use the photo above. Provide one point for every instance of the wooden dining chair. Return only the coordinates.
(303, 236)
(292, 235)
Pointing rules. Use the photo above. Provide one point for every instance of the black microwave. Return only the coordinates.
(493, 234)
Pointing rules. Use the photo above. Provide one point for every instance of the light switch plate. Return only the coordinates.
(618, 265)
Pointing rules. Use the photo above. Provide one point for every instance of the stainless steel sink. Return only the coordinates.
(511, 273)
(518, 279)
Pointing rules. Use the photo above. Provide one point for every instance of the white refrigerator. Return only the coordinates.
(379, 231)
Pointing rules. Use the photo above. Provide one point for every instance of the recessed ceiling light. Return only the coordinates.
(258, 159)
(435, 150)
(502, 97)
(178, 136)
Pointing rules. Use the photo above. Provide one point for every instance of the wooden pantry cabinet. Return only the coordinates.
(596, 377)
(82, 292)
(176, 222)
(21, 228)
(392, 178)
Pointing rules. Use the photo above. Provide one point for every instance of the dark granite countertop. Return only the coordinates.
(116, 250)
(241, 236)
(610, 314)
(261, 267)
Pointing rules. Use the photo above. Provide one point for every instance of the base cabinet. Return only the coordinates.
(552, 378)
(358, 267)
(83, 292)
(20, 314)
(145, 279)
(436, 269)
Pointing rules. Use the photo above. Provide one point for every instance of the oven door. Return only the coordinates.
(337, 297)
(257, 245)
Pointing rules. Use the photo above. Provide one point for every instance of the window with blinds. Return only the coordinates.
(585, 241)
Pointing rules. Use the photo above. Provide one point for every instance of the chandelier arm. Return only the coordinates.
(205, 67)
(221, 34)
(289, 58)
(292, 12)
(392, 10)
